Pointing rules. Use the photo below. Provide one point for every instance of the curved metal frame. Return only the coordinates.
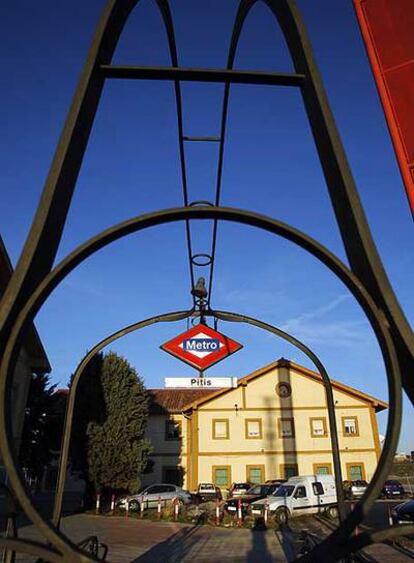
(33, 277)
(334, 546)
(176, 316)
(70, 406)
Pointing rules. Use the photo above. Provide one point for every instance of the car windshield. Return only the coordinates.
(207, 487)
(241, 486)
(360, 483)
(283, 491)
(256, 490)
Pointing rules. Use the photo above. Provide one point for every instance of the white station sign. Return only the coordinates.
(200, 382)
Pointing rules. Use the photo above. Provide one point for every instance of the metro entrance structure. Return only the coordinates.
(35, 278)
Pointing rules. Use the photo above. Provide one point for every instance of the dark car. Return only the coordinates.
(403, 513)
(392, 489)
(257, 492)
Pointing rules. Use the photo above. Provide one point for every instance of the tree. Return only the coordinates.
(35, 450)
(117, 452)
(89, 407)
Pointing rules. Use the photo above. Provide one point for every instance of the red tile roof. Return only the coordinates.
(174, 400)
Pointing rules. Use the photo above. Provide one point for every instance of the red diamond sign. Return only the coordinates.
(201, 346)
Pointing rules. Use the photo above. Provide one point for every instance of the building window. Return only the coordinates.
(172, 430)
(355, 471)
(322, 469)
(286, 427)
(253, 428)
(284, 390)
(350, 426)
(288, 470)
(255, 474)
(220, 429)
(318, 427)
(222, 475)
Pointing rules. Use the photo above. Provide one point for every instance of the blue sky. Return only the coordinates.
(131, 166)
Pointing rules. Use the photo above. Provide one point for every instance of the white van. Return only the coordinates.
(308, 494)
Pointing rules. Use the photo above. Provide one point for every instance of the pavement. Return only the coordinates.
(169, 542)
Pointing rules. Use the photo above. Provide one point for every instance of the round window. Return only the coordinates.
(283, 389)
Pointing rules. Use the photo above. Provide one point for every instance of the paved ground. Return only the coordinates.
(148, 542)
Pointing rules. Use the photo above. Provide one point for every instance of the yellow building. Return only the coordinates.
(273, 424)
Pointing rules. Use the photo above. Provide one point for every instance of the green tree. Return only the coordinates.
(117, 452)
(89, 407)
(35, 450)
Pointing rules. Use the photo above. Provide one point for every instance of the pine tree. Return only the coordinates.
(117, 452)
(36, 445)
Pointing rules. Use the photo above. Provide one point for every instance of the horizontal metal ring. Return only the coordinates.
(201, 202)
(206, 262)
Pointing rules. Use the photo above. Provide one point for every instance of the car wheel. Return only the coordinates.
(332, 512)
(282, 515)
(134, 505)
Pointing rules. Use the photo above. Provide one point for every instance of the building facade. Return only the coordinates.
(274, 424)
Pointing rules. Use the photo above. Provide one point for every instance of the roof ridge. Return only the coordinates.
(283, 362)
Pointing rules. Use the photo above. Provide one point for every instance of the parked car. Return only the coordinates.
(208, 491)
(355, 489)
(257, 492)
(392, 489)
(239, 489)
(300, 495)
(403, 513)
(150, 496)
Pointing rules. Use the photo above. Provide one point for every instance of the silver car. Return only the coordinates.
(149, 497)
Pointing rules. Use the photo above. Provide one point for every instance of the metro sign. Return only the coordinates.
(201, 347)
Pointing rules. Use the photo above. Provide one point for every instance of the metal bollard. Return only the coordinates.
(98, 503)
(141, 508)
(390, 522)
(112, 504)
(159, 507)
(127, 507)
(239, 513)
(217, 513)
(176, 508)
(266, 512)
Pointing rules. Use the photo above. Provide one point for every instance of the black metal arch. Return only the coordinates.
(176, 316)
(43, 240)
(34, 279)
(333, 547)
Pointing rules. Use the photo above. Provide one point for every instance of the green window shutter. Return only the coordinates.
(255, 475)
(355, 472)
(221, 477)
